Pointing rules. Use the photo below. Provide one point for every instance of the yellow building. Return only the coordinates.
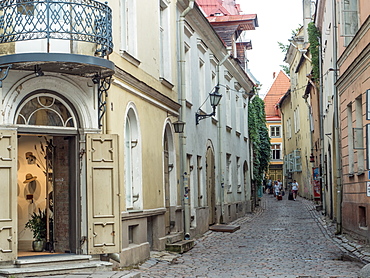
(297, 118)
(279, 87)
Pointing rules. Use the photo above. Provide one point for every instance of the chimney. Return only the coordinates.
(273, 75)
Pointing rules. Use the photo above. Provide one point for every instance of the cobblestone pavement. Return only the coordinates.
(281, 239)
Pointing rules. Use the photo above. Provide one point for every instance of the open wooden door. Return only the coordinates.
(8, 196)
(103, 194)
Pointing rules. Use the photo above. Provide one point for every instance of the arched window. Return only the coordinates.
(134, 199)
(45, 110)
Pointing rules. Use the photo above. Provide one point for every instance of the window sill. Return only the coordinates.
(128, 57)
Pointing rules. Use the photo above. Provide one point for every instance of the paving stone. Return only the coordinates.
(280, 239)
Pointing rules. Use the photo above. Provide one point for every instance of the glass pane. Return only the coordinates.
(45, 111)
(45, 117)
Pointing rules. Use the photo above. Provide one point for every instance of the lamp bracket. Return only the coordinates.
(202, 116)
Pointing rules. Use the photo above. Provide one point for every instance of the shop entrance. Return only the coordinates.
(47, 192)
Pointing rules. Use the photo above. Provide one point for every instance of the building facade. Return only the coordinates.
(297, 117)
(279, 87)
(89, 103)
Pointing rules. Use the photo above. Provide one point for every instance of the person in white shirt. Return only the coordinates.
(295, 187)
(276, 189)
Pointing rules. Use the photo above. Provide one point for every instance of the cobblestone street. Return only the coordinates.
(281, 239)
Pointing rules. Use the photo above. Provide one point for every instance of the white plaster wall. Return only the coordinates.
(80, 92)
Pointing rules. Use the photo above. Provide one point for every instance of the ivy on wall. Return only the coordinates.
(313, 38)
(259, 136)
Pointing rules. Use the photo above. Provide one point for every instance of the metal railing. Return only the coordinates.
(75, 20)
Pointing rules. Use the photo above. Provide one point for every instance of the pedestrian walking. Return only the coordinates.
(277, 190)
(295, 187)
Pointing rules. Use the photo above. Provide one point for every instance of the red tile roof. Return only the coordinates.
(223, 7)
(279, 87)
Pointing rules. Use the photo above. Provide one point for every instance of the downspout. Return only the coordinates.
(310, 119)
(182, 97)
(336, 126)
(221, 158)
(322, 149)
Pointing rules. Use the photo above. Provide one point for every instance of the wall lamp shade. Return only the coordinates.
(179, 126)
(215, 99)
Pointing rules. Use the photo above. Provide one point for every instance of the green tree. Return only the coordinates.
(259, 136)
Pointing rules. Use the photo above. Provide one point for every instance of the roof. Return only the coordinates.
(227, 26)
(222, 7)
(279, 87)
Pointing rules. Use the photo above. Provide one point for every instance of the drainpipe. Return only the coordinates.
(182, 97)
(310, 119)
(221, 158)
(322, 149)
(336, 126)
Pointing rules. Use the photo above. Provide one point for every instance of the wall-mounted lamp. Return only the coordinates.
(215, 99)
(179, 126)
(312, 158)
(38, 71)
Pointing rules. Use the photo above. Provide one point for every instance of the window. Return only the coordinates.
(228, 106)
(201, 82)
(349, 20)
(275, 131)
(238, 173)
(228, 173)
(129, 27)
(132, 161)
(289, 128)
(362, 217)
(296, 120)
(164, 30)
(200, 181)
(358, 137)
(350, 141)
(45, 110)
(275, 151)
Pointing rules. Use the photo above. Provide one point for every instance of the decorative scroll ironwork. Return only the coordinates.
(77, 20)
(4, 70)
(103, 87)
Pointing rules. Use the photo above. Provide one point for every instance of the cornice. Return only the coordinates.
(153, 95)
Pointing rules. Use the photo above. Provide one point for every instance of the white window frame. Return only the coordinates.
(273, 129)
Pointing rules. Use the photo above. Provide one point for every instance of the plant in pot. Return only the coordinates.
(37, 224)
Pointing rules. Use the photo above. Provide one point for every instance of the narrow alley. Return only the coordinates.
(282, 239)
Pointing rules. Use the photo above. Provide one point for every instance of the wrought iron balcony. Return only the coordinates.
(73, 20)
(63, 36)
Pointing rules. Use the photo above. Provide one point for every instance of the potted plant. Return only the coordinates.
(37, 224)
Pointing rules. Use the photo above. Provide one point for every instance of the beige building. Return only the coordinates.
(87, 134)
(90, 97)
(297, 118)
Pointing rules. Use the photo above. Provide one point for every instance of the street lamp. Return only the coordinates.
(215, 99)
(179, 126)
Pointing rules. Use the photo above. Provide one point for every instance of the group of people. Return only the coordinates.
(277, 189)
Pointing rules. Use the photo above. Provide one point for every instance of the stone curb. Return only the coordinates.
(354, 250)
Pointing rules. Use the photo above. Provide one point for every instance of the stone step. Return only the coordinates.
(51, 269)
(30, 261)
(180, 246)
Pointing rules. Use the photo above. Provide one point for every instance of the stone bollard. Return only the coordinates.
(365, 272)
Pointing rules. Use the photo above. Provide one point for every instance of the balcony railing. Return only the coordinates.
(74, 20)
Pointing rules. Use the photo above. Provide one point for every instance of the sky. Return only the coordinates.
(276, 20)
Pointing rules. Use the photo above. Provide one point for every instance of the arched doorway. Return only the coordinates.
(211, 185)
(47, 171)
